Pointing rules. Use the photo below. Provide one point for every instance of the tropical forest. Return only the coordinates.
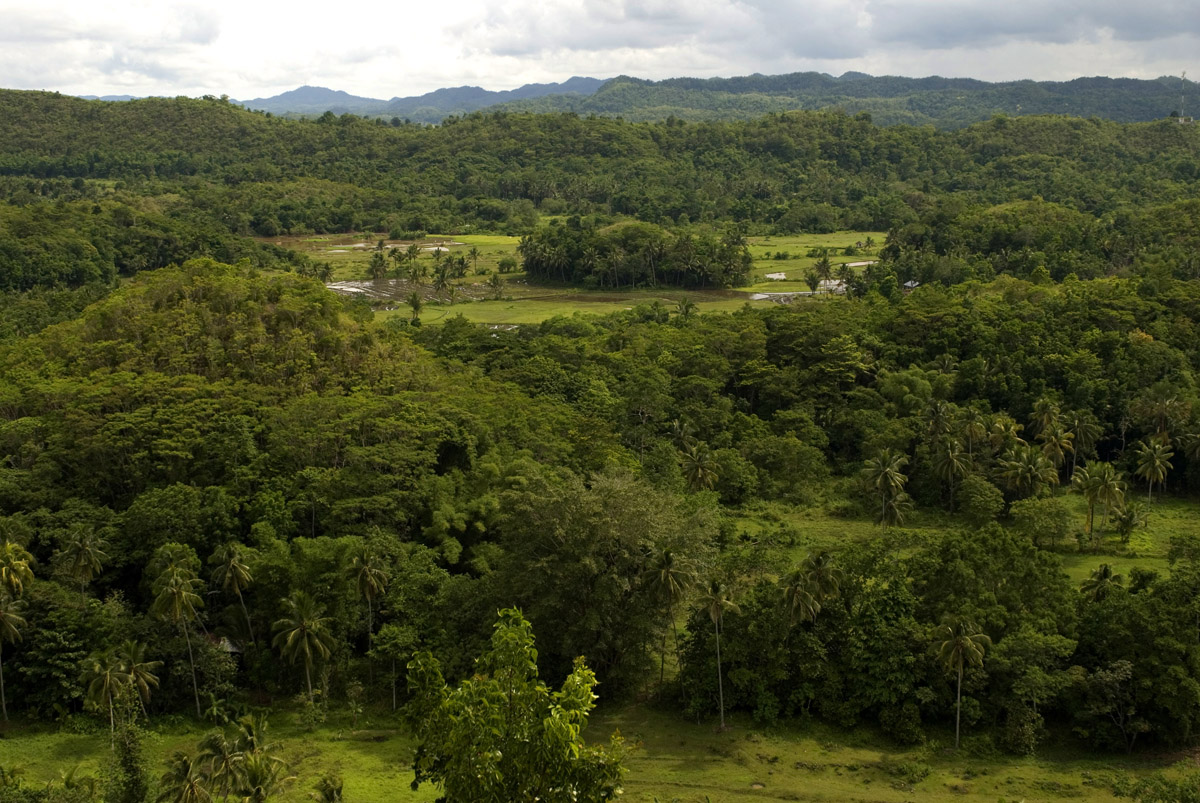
(542, 456)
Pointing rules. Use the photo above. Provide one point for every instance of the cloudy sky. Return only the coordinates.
(250, 48)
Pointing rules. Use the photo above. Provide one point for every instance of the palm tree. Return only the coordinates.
(972, 427)
(961, 645)
(324, 272)
(370, 580)
(82, 555)
(951, 464)
(1025, 470)
(884, 474)
(699, 468)
(1082, 425)
(140, 671)
(329, 789)
(10, 631)
(14, 568)
(231, 573)
(1102, 583)
(1129, 518)
(473, 253)
(1153, 463)
(496, 285)
(1004, 433)
(415, 301)
(718, 600)
(684, 308)
(176, 600)
(669, 580)
(1044, 416)
(262, 776)
(105, 676)
(183, 782)
(303, 634)
(222, 762)
(377, 269)
(800, 598)
(1056, 443)
(1110, 487)
(1087, 484)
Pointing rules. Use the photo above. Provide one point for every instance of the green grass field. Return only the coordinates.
(349, 256)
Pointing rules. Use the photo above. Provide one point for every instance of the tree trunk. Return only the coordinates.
(112, 725)
(393, 684)
(958, 707)
(245, 613)
(192, 662)
(720, 684)
(678, 657)
(308, 680)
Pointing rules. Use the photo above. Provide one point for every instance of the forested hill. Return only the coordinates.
(890, 100)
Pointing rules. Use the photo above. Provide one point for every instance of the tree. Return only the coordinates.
(370, 581)
(496, 284)
(951, 464)
(884, 475)
(183, 782)
(140, 671)
(415, 301)
(1129, 518)
(303, 634)
(1025, 471)
(961, 645)
(685, 308)
(502, 736)
(222, 761)
(699, 467)
(668, 579)
(231, 573)
(10, 631)
(1102, 582)
(718, 600)
(15, 573)
(1153, 463)
(82, 555)
(473, 254)
(105, 677)
(176, 598)
(1088, 485)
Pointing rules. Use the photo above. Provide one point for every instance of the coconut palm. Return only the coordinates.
(961, 645)
(1057, 442)
(1130, 517)
(1087, 485)
(370, 580)
(1044, 416)
(1004, 433)
(684, 308)
(951, 464)
(668, 579)
(221, 760)
(82, 555)
(303, 634)
(473, 254)
(1102, 582)
(417, 303)
(884, 475)
(800, 597)
(496, 285)
(972, 428)
(183, 782)
(1025, 471)
(699, 468)
(328, 789)
(15, 573)
(1153, 463)
(105, 675)
(718, 600)
(232, 573)
(1082, 425)
(1110, 487)
(261, 777)
(140, 671)
(176, 600)
(10, 631)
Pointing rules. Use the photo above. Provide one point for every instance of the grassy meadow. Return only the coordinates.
(524, 303)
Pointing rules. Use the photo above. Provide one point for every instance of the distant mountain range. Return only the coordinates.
(431, 107)
(890, 100)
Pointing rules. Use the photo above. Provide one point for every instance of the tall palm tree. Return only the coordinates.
(1129, 518)
(261, 777)
(1025, 470)
(668, 579)
(1110, 487)
(10, 631)
(1044, 416)
(884, 474)
(1153, 463)
(1057, 442)
(684, 308)
(473, 253)
(105, 676)
(802, 600)
(303, 634)
(82, 555)
(417, 303)
(15, 572)
(231, 573)
(961, 645)
(951, 464)
(183, 782)
(718, 600)
(222, 762)
(370, 580)
(176, 600)
(1082, 425)
(972, 428)
(699, 468)
(496, 285)
(140, 671)
(1088, 486)
(1102, 582)
(1004, 433)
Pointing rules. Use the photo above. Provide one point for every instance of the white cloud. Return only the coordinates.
(253, 48)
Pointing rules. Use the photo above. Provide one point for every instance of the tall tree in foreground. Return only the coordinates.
(961, 645)
(718, 600)
(884, 476)
(502, 736)
(668, 578)
(1153, 463)
(10, 631)
(82, 555)
(303, 634)
(105, 677)
(176, 598)
(140, 671)
(366, 571)
(231, 573)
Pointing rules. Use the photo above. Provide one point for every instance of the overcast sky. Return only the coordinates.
(249, 49)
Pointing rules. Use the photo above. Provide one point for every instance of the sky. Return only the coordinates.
(249, 48)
